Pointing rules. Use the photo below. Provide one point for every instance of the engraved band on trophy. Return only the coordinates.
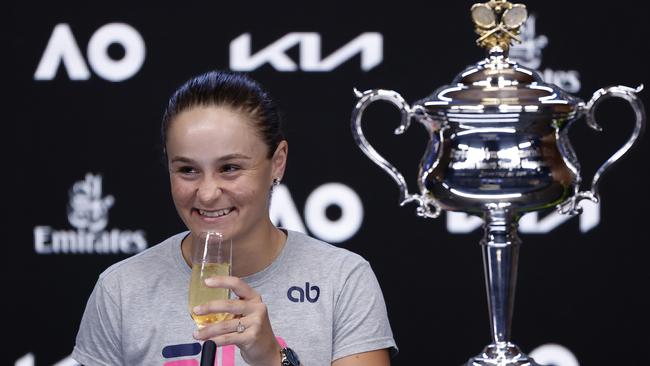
(499, 147)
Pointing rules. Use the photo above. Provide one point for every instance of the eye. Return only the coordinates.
(187, 170)
(230, 168)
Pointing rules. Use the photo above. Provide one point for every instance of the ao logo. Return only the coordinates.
(529, 53)
(283, 212)
(369, 45)
(530, 223)
(62, 48)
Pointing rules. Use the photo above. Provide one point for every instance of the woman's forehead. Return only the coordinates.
(213, 113)
(213, 130)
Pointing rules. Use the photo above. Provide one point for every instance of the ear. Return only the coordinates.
(279, 160)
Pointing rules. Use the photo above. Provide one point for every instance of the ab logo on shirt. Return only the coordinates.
(297, 294)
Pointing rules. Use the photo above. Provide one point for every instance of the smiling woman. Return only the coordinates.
(221, 177)
(225, 153)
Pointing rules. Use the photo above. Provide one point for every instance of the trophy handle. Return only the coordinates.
(426, 206)
(619, 91)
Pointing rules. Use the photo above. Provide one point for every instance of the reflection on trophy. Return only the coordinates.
(498, 148)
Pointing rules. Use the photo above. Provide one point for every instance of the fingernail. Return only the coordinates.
(196, 334)
(197, 310)
(209, 281)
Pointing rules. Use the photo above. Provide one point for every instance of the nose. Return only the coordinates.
(208, 190)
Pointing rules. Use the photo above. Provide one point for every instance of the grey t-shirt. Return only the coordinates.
(324, 302)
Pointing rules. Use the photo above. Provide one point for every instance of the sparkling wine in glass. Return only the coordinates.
(211, 256)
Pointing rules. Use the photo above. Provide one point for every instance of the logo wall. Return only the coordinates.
(88, 214)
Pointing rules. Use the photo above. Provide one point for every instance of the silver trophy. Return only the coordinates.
(499, 147)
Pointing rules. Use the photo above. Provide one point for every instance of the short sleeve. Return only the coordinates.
(360, 318)
(98, 340)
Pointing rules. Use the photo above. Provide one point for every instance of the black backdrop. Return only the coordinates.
(584, 290)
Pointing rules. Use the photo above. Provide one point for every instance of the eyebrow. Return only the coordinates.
(228, 157)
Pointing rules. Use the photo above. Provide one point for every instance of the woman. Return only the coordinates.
(225, 153)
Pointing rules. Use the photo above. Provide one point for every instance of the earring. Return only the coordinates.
(276, 181)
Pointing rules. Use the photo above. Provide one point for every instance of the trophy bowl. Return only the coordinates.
(498, 147)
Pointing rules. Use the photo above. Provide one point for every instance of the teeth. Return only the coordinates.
(216, 213)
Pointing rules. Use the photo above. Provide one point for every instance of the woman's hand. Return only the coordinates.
(256, 342)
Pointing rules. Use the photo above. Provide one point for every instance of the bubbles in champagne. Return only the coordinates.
(200, 293)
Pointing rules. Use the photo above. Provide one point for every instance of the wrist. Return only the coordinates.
(275, 359)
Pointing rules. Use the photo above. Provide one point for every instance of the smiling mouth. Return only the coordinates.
(216, 213)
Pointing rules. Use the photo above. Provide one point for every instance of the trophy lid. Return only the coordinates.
(498, 83)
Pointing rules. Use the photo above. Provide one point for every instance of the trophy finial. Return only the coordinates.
(498, 22)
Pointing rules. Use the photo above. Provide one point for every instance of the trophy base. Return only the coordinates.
(506, 354)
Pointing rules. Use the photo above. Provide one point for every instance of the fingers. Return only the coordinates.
(237, 285)
(250, 331)
(238, 331)
(232, 306)
(223, 328)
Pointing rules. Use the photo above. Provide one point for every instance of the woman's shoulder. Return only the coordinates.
(146, 263)
(315, 249)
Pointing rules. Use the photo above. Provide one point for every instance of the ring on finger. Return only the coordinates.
(240, 327)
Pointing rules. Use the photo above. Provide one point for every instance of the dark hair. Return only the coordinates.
(231, 89)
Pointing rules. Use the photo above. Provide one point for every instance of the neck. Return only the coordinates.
(252, 252)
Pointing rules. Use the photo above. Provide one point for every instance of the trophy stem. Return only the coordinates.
(500, 246)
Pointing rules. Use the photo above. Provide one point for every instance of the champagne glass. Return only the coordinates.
(211, 256)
